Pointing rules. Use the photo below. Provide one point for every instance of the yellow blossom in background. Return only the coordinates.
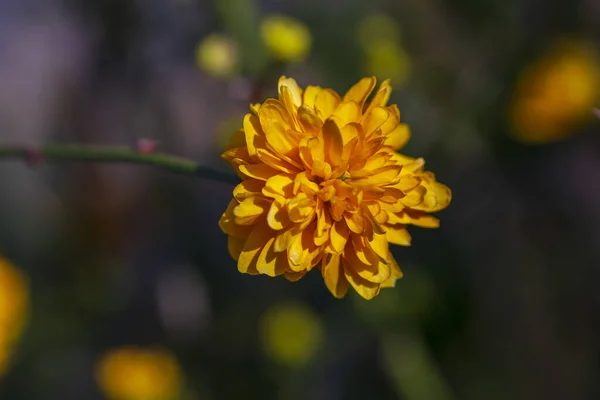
(14, 304)
(388, 58)
(218, 56)
(556, 94)
(322, 186)
(377, 27)
(292, 333)
(384, 56)
(286, 38)
(131, 373)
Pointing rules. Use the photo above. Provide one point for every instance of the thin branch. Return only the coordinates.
(113, 154)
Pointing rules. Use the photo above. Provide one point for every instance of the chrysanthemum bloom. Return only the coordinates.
(322, 186)
(131, 373)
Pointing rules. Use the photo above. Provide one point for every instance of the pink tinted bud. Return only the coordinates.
(147, 146)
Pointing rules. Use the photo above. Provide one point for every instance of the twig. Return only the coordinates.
(113, 154)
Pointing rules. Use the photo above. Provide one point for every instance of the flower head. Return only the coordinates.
(131, 373)
(322, 186)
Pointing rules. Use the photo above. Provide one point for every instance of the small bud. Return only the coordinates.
(34, 157)
(147, 146)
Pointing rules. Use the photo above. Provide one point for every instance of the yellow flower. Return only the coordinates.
(322, 186)
(556, 94)
(130, 373)
(292, 333)
(217, 55)
(14, 304)
(286, 38)
(388, 58)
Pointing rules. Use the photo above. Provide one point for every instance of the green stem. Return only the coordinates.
(113, 154)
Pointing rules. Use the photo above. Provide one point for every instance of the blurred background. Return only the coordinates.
(115, 281)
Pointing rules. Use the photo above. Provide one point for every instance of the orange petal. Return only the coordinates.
(326, 102)
(228, 225)
(309, 97)
(364, 288)
(261, 172)
(338, 236)
(397, 138)
(360, 91)
(347, 112)
(235, 246)
(259, 236)
(397, 234)
(333, 275)
(294, 276)
(248, 211)
(248, 188)
(293, 90)
(269, 262)
(396, 273)
(333, 143)
(253, 133)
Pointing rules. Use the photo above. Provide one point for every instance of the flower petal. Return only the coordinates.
(332, 143)
(294, 90)
(235, 246)
(396, 273)
(397, 138)
(397, 234)
(247, 212)
(326, 102)
(333, 275)
(259, 236)
(338, 236)
(261, 172)
(364, 288)
(269, 262)
(309, 97)
(360, 91)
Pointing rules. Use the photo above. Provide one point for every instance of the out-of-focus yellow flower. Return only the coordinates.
(322, 185)
(218, 56)
(388, 58)
(556, 94)
(379, 36)
(377, 27)
(131, 373)
(14, 304)
(292, 333)
(286, 38)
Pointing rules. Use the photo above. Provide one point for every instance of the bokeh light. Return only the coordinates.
(134, 373)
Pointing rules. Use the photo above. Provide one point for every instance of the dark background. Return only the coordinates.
(501, 302)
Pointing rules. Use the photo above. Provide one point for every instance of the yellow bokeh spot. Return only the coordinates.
(377, 27)
(387, 59)
(292, 333)
(287, 39)
(14, 304)
(218, 56)
(556, 94)
(131, 373)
